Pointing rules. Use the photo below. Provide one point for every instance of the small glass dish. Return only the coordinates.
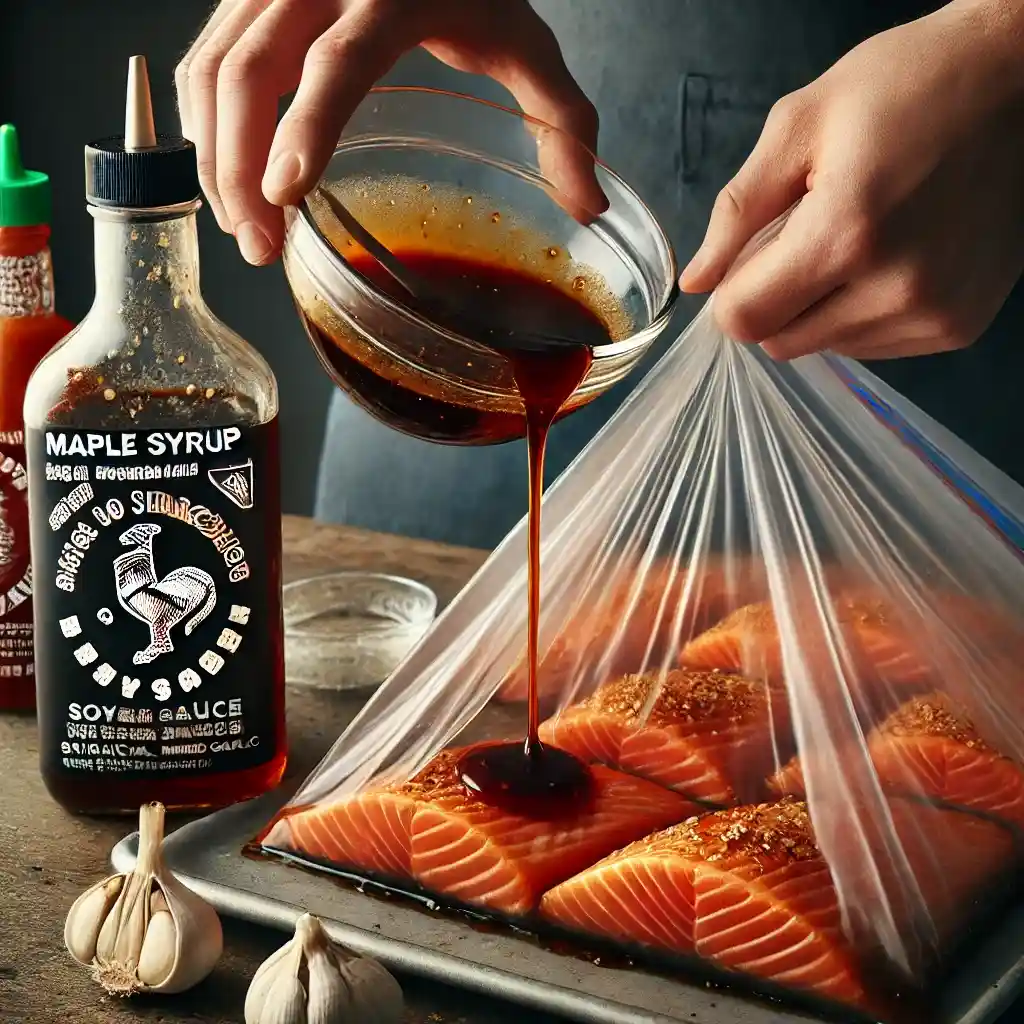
(448, 175)
(351, 630)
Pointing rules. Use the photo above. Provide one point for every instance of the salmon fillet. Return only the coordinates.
(710, 735)
(893, 650)
(433, 831)
(632, 625)
(748, 889)
(748, 641)
(929, 746)
(745, 888)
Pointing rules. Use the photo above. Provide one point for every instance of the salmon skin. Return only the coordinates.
(748, 889)
(638, 623)
(709, 735)
(433, 832)
(930, 747)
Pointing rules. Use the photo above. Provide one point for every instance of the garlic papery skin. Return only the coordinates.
(309, 980)
(145, 931)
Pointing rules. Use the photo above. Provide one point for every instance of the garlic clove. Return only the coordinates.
(264, 978)
(86, 917)
(276, 995)
(200, 938)
(330, 999)
(376, 994)
(285, 1004)
(130, 919)
(286, 998)
(159, 947)
(107, 938)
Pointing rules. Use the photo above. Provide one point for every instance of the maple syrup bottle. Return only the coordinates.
(154, 505)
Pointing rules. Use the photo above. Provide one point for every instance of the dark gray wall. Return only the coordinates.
(62, 74)
(63, 65)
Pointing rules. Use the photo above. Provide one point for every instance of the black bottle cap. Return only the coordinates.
(140, 179)
(140, 169)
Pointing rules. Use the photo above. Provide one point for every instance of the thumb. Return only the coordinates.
(771, 180)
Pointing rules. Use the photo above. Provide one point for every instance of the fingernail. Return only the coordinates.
(696, 266)
(222, 220)
(282, 173)
(253, 243)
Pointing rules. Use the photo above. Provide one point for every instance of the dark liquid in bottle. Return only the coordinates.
(84, 404)
(526, 777)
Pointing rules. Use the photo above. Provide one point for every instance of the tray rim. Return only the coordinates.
(997, 996)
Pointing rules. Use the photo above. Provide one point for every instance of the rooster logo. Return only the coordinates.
(161, 604)
(6, 538)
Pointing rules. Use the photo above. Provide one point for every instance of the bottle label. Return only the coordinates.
(16, 660)
(26, 284)
(158, 599)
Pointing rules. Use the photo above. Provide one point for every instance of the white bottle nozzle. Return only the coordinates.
(139, 129)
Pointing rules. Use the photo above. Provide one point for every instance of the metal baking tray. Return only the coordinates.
(207, 856)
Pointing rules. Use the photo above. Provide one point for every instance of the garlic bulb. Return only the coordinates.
(311, 981)
(145, 931)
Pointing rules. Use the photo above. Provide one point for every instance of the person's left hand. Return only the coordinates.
(907, 158)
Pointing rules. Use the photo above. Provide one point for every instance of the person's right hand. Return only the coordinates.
(252, 52)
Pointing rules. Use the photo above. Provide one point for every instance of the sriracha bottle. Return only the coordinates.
(155, 513)
(29, 328)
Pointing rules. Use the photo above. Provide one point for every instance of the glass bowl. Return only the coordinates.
(439, 173)
(350, 630)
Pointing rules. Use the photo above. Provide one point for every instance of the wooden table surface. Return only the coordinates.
(47, 858)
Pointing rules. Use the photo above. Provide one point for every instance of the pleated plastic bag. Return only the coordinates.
(783, 621)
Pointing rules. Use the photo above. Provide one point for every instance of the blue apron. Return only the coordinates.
(683, 88)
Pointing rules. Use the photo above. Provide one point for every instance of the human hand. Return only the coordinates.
(252, 52)
(906, 162)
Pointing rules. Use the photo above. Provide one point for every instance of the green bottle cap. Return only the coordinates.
(24, 195)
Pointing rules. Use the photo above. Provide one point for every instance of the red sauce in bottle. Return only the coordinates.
(29, 328)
